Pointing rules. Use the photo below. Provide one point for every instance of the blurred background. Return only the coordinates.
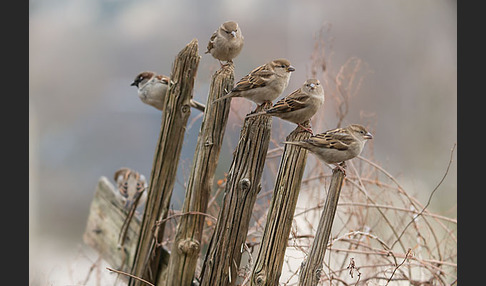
(86, 121)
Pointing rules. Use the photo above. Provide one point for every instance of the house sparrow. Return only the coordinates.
(337, 145)
(152, 89)
(130, 185)
(300, 105)
(226, 42)
(265, 83)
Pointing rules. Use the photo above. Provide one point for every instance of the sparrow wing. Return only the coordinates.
(211, 41)
(162, 78)
(294, 101)
(256, 78)
(332, 139)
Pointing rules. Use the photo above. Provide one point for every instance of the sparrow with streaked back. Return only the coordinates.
(226, 42)
(263, 84)
(337, 145)
(300, 105)
(131, 184)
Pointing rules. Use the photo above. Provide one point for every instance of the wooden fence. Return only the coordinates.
(142, 255)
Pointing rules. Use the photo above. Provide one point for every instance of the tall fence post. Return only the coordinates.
(223, 257)
(187, 243)
(270, 258)
(311, 268)
(147, 258)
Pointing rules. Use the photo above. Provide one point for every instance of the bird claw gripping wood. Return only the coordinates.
(341, 166)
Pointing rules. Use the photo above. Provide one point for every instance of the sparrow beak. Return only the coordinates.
(312, 86)
(368, 136)
(233, 33)
(134, 84)
(290, 69)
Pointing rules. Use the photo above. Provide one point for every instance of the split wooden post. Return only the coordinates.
(187, 243)
(311, 268)
(147, 260)
(222, 260)
(270, 258)
(105, 220)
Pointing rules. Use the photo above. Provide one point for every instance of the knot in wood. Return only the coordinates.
(245, 184)
(185, 108)
(260, 279)
(189, 246)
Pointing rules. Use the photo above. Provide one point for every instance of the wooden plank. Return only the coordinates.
(224, 253)
(269, 261)
(105, 220)
(187, 243)
(310, 271)
(177, 110)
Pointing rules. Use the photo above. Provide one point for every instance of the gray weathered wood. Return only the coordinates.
(222, 261)
(187, 243)
(270, 258)
(105, 220)
(311, 268)
(147, 264)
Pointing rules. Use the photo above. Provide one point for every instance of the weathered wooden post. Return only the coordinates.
(311, 268)
(224, 253)
(187, 243)
(270, 258)
(147, 259)
(106, 217)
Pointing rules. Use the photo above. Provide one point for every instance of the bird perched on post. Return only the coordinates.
(300, 105)
(337, 145)
(226, 42)
(131, 184)
(152, 89)
(264, 83)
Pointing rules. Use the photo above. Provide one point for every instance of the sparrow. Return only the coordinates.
(264, 83)
(226, 42)
(300, 105)
(152, 89)
(336, 145)
(131, 184)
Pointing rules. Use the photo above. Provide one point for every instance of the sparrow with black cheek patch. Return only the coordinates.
(152, 89)
(337, 145)
(131, 184)
(300, 105)
(263, 84)
(226, 42)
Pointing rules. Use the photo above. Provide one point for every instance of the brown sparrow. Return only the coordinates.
(337, 145)
(131, 184)
(300, 105)
(265, 83)
(226, 42)
(152, 89)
